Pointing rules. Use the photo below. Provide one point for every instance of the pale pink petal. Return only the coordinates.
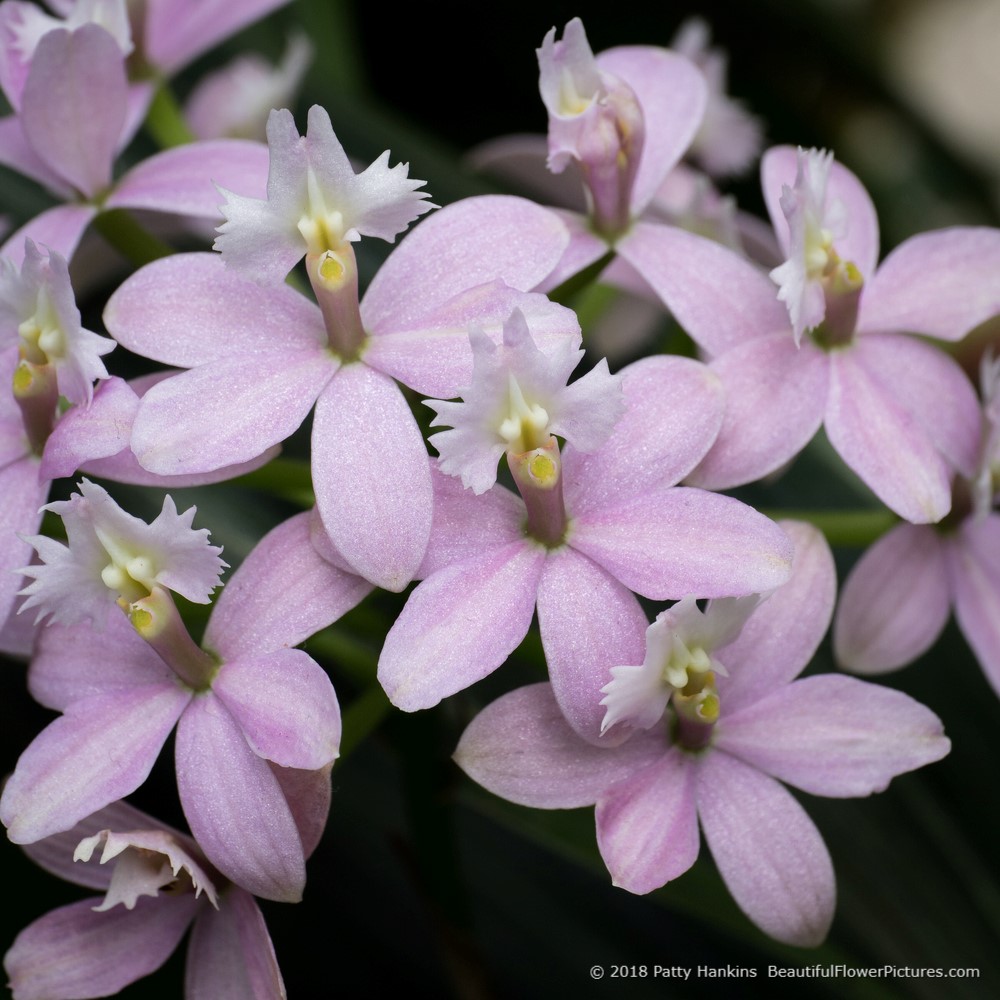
(941, 284)
(719, 298)
(230, 955)
(465, 525)
(834, 735)
(673, 411)
(73, 105)
(769, 853)
(974, 558)
(186, 180)
(433, 355)
(459, 625)
(71, 663)
(775, 394)
(76, 952)
(285, 705)
(59, 229)
(16, 152)
(176, 31)
(227, 411)
(282, 593)
(667, 543)
(189, 309)
(371, 476)
(783, 633)
(23, 494)
(883, 442)
(308, 794)
(234, 805)
(932, 388)
(859, 243)
(521, 748)
(647, 824)
(101, 750)
(580, 646)
(895, 602)
(457, 249)
(672, 95)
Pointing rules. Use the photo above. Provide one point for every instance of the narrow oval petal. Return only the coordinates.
(101, 750)
(308, 794)
(775, 394)
(673, 411)
(371, 477)
(580, 646)
(834, 735)
(719, 298)
(585, 247)
(226, 412)
(973, 561)
(189, 309)
(860, 241)
(895, 602)
(23, 493)
(769, 853)
(933, 389)
(671, 542)
(941, 284)
(230, 955)
(282, 593)
(285, 705)
(235, 806)
(16, 152)
(459, 625)
(521, 748)
(186, 180)
(883, 443)
(672, 95)
(77, 952)
(73, 105)
(465, 525)
(783, 633)
(469, 243)
(647, 824)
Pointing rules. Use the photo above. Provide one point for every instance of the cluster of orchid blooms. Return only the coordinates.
(692, 723)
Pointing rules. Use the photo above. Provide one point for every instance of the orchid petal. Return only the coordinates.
(895, 602)
(285, 705)
(647, 824)
(230, 955)
(459, 625)
(883, 443)
(775, 394)
(24, 493)
(163, 311)
(364, 435)
(834, 735)
(76, 952)
(671, 542)
(282, 593)
(673, 410)
(60, 229)
(101, 750)
(521, 748)
(941, 284)
(585, 247)
(719, 298)
(769, 853)
(455, 250)
(234, 805)
(581, 647)
(73, 105)
(308, 794)
(186, 180)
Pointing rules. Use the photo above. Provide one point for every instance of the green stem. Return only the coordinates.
(165, 121)
(129, 238)
(851, 528)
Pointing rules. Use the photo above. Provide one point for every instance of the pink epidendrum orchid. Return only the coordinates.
(519, 398)
(718, 763)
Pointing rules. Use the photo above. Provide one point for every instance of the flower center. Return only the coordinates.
(526, 426)
(322, 228)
